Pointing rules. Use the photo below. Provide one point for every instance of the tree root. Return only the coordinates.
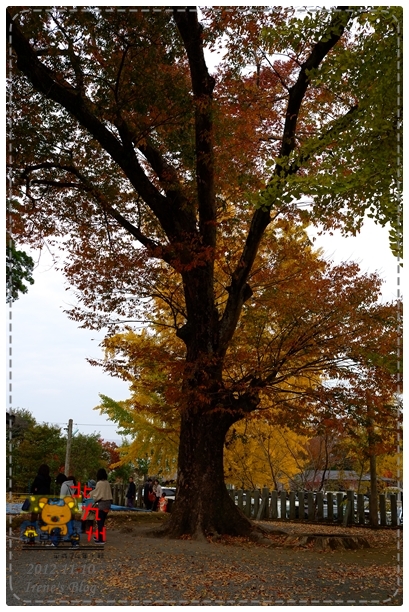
(327, 541)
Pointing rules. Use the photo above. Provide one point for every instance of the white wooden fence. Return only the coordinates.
(345, 508)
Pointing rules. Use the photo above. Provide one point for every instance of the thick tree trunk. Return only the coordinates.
(203, 506)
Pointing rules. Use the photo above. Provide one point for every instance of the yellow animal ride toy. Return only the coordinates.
(56, 513)
(30, 533)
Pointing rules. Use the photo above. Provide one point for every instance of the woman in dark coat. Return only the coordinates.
(42, 482)
(41, 486)
(147, 489)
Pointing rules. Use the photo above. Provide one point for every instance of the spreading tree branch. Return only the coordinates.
(239, 290)
(154, 248)
(56, 88)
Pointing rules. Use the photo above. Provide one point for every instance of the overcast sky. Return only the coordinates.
(50, 375)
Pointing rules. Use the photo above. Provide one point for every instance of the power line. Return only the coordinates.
(82, 424)
(94, 425)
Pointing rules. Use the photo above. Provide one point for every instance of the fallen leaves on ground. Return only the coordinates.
(377, 538)
(237, 569)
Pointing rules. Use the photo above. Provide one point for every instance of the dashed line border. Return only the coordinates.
(149, 602)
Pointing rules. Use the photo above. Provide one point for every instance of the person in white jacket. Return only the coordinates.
(102, 496)
(158, 492)
(68, 487)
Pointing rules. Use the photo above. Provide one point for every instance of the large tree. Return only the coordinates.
(142, 165)
(300, 328)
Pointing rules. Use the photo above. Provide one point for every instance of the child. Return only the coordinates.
(163, 503)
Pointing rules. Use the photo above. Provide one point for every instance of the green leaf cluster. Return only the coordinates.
(19, 271)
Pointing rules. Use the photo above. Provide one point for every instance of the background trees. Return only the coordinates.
(260, 454)
(160, 181)
(34, 444)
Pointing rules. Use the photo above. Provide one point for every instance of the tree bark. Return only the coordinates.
(373, 502)
(203, 506)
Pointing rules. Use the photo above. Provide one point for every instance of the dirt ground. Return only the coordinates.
(134, 568)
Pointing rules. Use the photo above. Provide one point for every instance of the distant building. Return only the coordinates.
(336, 480)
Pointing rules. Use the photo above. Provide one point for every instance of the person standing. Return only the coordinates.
(102, 496)
(163, 503)
(68, 485)
(41, 486)
(147, 493)
(42, 482)
(60, 478)
(131, 493)
(158, 494)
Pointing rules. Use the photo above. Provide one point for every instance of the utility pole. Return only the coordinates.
(68, 452)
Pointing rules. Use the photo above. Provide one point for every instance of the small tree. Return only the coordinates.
(86, 457)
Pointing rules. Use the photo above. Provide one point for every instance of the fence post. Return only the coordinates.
(283, 504)
(370, 516)
(292, 505)
(369, 508)
(262, 511)
(394, 510)
(266, 496)
(382, 509)
(320, 506)
(256, 495)
(273, 509)
(240, 499)
(340, 507)
(361, 509)
(330, 507)
(351, 498)
(311, 506)
(301, 504)
(347, 512)
(247, 510)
